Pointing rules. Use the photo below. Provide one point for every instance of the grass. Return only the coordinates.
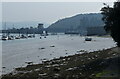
(102, 73)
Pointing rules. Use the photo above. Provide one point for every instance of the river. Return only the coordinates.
(15, 53)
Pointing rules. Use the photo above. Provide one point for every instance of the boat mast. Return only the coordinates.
(5, 29)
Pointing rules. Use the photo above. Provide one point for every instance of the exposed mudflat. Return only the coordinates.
(102, 64)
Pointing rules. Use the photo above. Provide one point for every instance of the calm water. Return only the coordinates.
(16, 52)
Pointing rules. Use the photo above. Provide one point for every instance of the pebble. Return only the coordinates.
(37, 70)
(43, 74)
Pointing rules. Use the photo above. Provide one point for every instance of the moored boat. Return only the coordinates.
(88, 39)
(17, 37)
(4, 38)
(10, 37)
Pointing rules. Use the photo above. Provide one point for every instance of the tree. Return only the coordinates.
(111, 18)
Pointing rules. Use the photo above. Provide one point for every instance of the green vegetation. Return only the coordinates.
(102, 73)
(111, 18)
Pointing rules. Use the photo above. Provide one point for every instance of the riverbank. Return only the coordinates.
(97, 64)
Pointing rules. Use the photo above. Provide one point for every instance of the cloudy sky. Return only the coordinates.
(48, 12)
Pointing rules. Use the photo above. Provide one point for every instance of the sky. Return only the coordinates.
(58, 0)
(48, 12)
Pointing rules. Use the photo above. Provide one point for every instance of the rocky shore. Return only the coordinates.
(102, 64)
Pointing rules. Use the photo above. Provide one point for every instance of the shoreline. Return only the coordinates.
(90, 64)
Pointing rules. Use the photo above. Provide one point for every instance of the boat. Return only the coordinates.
(23, 36)
(10, 37)
(88, 39)
(31, 36)
(4, 38)
(17, 37)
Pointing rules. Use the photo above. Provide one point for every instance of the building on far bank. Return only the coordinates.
(96, 31)
(40, 28)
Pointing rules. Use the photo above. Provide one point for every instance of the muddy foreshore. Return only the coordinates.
(102, 64)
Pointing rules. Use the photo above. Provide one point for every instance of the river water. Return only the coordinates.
(15, 53)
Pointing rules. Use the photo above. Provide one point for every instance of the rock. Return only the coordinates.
(89, 58)
(96, 56)
(80, 50)
(114, 54)
(44, 74)
(29, 62)
(37, 70)
(62, 64)
(68, 58)
(42, 48)
(56, 69)
(52, 46)
(48, 66)
(56, 76)
(64, 59)
(93, 58)
(82, 60)
(55, 65)
(70, 69)
(83, 65)
(3, 67)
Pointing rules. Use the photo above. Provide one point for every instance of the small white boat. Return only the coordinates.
(17, 37)
(10, 37)
(4, 38)
(31, 36)
(23, 36)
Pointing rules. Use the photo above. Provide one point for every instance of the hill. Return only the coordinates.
(77, 23)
